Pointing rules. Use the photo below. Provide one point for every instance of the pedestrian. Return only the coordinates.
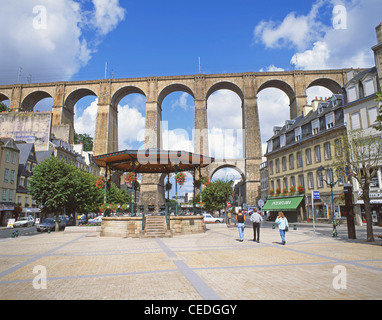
(282, 221)
(240, 220)
(256, 220)
(229, 216)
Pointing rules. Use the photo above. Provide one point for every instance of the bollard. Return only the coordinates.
(295, 227)
(273, 226)
(13, 234)
(17, 233)
(48, 230)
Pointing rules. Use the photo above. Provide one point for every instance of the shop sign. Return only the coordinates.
(10, 223)
(372, 195)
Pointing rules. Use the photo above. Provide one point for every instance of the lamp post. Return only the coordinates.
(330, 184)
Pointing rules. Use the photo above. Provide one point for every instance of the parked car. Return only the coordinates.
(208, 218)
(50, 224)
(95, 220)
(24, 222)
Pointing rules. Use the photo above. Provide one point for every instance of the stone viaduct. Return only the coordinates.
(23, 97)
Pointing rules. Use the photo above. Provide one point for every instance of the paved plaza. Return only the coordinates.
(209, 266)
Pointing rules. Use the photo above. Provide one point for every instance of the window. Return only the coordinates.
(329, 118)
(327, 151)
(299, 159)
(310, 180)
(372, 113)
(270, 145)
(317, 153)
(338, 147)
(270, 167)
(7, 156)
(315, 126)
(13, 173)
(308, 155)
(293, 181)
(278, 184)
(284, 163)
(329, 175)
(291, 161)
(320, 184)
(272, 185)
(11, 195)
(352, 94)
(285, 181)
(277, 165)
(355, 121)
(14, 157)
(6, 175)
(297, 134)
(369, 87)
(301, 180)
(282, 141)
(4, 195)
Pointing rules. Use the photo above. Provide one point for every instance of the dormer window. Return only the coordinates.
(297, 134)
(352, 94)
(368, 87)
(315, 126)
(329, 118)
(270, 146)
(282, 141)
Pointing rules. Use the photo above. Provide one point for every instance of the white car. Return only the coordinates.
(208, 218)
(96, 220)
(24, 222)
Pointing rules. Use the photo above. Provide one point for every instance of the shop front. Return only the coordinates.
(291, 206)
(6, 213)
(375, 206)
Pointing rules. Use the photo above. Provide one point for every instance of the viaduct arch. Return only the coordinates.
(109, 92)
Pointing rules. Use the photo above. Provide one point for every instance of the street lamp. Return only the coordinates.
(330, 184)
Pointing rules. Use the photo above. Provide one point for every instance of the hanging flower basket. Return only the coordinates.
(206, 181)
(180, 178)
(342, 196)
(130, 177)
(292, 189)
(300, 189)
(100, 182)
(278, 190)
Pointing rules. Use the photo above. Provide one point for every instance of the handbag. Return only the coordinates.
(286, 229)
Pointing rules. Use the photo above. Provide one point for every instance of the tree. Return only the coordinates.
(3, 107)
(215, 195)
(61, 188)
(359, 157)
(85, 139)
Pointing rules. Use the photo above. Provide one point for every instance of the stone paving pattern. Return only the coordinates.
(211, 266)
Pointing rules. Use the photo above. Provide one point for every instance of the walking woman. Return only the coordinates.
(240, 220)
(283, 225)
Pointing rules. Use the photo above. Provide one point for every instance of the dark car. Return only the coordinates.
(50, 224)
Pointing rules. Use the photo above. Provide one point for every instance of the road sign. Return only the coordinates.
(260, 203)
(316, 194)
(229, 204)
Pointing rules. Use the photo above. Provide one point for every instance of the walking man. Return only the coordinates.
(256, 220)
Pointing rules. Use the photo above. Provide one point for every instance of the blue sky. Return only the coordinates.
(63, 40)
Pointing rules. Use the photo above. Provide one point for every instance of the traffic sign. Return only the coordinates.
(316, 194)
(260, 203)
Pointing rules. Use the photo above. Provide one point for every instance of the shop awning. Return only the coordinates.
(282, 204)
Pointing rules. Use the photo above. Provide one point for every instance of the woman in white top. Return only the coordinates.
(283, 224)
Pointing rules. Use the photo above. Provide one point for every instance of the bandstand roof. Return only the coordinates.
(152, 161)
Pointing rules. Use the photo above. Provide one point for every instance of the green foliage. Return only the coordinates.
(216, 194)
(85, 139)
(3, 107)
(56, 185)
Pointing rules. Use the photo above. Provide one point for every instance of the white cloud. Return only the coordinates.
(181, 102)
(293, 31)
(131, 125)
(107, 15)
(51, 42)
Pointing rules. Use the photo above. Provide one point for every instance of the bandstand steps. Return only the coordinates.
(155, 226)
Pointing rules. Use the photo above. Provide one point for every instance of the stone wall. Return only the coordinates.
(131, 227)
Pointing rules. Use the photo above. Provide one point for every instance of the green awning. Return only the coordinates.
(282, 204)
